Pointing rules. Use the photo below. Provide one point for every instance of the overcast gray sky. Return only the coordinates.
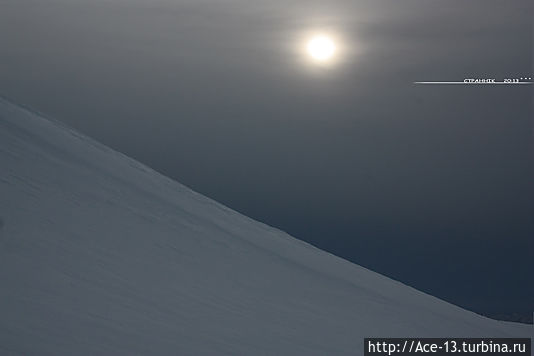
(430, 185)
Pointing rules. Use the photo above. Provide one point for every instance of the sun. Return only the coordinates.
(321, 48)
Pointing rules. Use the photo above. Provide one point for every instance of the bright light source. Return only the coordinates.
(321, 48)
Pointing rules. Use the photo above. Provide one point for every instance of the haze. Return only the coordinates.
(428, 185)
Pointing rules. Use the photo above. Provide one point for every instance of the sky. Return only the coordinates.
(429, 185)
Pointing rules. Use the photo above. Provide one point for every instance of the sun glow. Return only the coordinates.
(321, 48)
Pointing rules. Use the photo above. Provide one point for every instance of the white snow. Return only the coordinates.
(101, 255)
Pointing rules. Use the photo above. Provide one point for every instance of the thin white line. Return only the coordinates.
(475, 83)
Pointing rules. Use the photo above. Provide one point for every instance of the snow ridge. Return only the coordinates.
(101, 255)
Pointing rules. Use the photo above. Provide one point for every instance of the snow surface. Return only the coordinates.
(101, 255)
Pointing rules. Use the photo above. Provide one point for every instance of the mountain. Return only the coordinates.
(101, 255)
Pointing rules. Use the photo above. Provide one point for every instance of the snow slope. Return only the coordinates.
(100, 255)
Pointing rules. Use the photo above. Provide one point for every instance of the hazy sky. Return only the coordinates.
(431, 185)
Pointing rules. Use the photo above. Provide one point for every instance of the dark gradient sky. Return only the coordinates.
(430, 185)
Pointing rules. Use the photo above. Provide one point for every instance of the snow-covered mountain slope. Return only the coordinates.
(100, 255)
